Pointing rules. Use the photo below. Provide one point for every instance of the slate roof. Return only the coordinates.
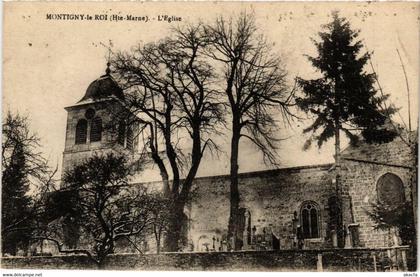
(103, 87)
(396, 152)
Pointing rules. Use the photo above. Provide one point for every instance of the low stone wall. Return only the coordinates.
(284, 260)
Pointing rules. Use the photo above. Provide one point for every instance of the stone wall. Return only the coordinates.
(362, 166)
(271, 197)
(360, 180)
(285, 260)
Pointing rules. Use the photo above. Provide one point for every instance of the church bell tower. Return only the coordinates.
(90, 128)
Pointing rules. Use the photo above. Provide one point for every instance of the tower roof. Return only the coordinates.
(103, 87)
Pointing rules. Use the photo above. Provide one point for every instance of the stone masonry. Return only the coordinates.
(362, 167)
(271, 197)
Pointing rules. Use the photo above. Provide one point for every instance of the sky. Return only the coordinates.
(48, 64)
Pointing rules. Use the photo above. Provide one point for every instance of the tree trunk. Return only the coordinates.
(234, 190)
(337, 144)
(101, 259)
(162, 169)
(158, 245)
(341, 233)
(173, 236)
(337, 127)
(158, 236)
(196, 156)
(101, 265)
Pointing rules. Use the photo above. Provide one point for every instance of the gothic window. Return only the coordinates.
(309, 215)
(81, 131)
(390, 189)
(96, 129)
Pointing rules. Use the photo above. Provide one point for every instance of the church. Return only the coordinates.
(274, 203)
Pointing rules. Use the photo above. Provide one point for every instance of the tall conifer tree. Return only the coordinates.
(344, 97)
(19, 162)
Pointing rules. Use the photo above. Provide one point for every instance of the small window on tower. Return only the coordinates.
(81, 131)
(96, 130)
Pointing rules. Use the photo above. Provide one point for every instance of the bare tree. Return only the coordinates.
(169, 85)
(24, 170)
(256, 92)
(160, 217)
(97, 204)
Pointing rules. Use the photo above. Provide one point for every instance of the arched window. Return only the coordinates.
(96, 129)
(309, 217)
(81, 131)
(390, 189)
